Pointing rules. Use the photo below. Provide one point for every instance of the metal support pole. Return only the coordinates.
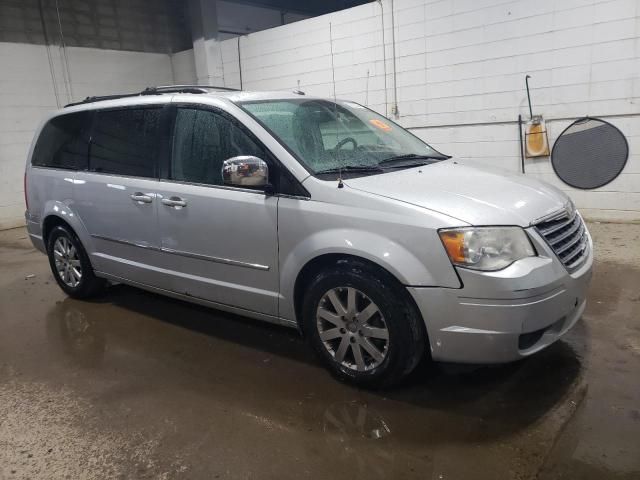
(526, 79)
(521, 145)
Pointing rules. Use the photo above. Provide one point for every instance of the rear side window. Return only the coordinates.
(202, 140)
(63, 142)
(125, 142)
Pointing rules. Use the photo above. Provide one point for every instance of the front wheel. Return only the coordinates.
(362, 325)
(70, 264)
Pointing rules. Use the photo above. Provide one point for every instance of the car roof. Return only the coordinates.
(155, 95)
(249, 96)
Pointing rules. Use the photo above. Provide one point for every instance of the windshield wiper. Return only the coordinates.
(351, 168)
(410, 157)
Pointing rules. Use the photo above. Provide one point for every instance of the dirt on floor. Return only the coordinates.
(135, 385)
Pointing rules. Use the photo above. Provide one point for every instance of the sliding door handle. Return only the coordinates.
(141, 197)
(174, 202)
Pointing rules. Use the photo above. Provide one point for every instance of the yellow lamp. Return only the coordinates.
(536, 141)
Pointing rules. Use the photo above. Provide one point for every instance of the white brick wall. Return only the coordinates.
(183, 66)
(27, 94)
(460, 73)
(460, 76)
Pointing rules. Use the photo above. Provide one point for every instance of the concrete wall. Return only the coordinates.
(139, 25)
(28, 91)
(112, 46)
(183, 66)
(459, 70)
(241, 19)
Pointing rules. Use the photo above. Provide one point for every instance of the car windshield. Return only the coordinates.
(329, 137)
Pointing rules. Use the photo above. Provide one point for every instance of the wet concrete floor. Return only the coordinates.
(135, 385)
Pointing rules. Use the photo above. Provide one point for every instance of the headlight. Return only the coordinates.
(486, 248)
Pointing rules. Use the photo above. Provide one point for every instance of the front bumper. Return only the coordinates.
(506, 315)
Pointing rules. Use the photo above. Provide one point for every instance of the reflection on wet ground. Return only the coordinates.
(138, 385)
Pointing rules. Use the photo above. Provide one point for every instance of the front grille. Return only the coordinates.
(567, 236)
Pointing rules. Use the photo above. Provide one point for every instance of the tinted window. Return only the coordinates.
(63, 142)
(125, 142)
(202, 141)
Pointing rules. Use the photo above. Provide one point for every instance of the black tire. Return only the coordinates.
(88, 285)
(407, 337)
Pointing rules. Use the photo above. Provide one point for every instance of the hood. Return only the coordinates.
(477, 196)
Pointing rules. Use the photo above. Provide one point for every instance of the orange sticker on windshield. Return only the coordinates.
(380, 124)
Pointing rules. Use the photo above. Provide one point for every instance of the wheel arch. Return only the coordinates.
(49, 223)
(327, 260)
(87, 284)
(59, 213)
(391, 258)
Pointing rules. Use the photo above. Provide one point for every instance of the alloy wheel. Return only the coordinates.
(67, 262)
(352, 329)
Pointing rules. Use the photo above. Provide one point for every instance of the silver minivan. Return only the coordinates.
(316, 214)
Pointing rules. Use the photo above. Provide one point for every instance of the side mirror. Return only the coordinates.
(246, 171)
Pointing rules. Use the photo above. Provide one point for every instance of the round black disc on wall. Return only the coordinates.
(589, 153)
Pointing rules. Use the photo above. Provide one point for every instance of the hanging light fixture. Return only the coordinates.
(536, 140)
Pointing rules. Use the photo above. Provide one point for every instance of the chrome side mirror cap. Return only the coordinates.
(245, 171)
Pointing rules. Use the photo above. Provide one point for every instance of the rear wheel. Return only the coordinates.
(70, 264)
(362, 325)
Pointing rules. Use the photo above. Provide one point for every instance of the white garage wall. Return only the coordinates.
(183, 65)
(460, 68)
(28, 92)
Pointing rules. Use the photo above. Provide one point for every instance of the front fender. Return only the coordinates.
(393, 257)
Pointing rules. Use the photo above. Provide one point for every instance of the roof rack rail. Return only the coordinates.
(155, 91)
(185, 89)
(101, 99)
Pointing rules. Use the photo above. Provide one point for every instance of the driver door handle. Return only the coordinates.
(174, 202)
(141, 197)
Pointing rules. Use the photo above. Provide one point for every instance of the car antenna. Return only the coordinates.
(335, 106)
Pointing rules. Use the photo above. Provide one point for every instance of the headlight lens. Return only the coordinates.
(486, 248)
